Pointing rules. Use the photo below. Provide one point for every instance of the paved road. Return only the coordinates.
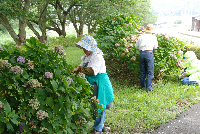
(187, 122)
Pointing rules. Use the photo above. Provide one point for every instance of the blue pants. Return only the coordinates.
(186, 81)
(147, 69)
(98, 124)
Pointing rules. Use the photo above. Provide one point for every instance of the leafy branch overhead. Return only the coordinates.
(55, 15)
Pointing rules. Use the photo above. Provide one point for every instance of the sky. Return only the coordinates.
(175, 6)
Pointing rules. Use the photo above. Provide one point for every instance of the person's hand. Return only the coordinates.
(75, 69)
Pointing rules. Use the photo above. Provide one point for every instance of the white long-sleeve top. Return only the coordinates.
(95, 61)
(147, 41)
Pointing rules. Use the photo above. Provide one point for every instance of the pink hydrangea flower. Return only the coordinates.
(133, 58)
(123, 54)
(117, 44)
(180, 52)
(142, 27)
(130, 23)
(126, 51)
(136, 30)
(175, 57)
(21, 59)
(167, 37)
(48, 75)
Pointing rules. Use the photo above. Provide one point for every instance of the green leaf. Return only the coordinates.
(3, 119)
(25, 75)
(69, 131)
(54, 84)
(57, 72)
(50, 129)
(2, 127)
(55, 123)
(14, 121)
(61, 99)
(62, 89)
(45, 60)
(44, 123)
(86, 111)
(9, 126)
(49, 101)
(7, 108)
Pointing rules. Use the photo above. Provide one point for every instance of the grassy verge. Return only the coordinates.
(137, 111)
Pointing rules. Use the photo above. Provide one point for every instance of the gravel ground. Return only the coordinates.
(187, 122)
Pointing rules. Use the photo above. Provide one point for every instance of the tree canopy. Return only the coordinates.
(41, 16)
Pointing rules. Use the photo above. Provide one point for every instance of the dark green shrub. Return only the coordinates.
(194, 48)
(38, 89)
(69, 40)
(117, 35)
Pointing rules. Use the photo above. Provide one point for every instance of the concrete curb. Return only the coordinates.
(193, 34)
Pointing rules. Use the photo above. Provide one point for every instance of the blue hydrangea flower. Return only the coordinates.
(21, 59)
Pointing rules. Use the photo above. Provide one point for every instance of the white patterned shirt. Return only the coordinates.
(147, 41)
(95, 61)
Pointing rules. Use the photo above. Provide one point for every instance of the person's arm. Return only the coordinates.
(86, 70)
(137, 44)
(156, 43)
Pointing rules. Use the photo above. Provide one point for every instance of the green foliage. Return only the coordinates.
(167, 55)
(39, 90)
(117, 36)
(70, 40)
(177, 22)
(194, 48)
(138, 111)
(11, 8)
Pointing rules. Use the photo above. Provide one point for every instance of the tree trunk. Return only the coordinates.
(80, 31)
(42, 22)
(63, 28)
(33, 29)
(4, 21)
(89, 29)
(22, 23)
(62, 17)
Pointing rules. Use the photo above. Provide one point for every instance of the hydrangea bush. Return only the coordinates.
(39, 94)
(169, 53)
(117, 35)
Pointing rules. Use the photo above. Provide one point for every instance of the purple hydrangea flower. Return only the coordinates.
(21, 59)
(48, 75)
(142, 27)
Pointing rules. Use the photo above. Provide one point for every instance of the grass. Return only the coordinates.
(138, 111)
(73, 55)
(135, 110)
